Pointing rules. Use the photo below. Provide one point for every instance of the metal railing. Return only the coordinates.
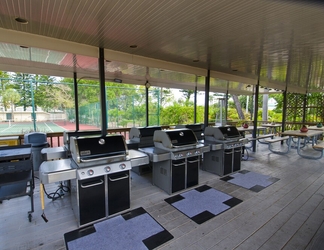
(56, 139)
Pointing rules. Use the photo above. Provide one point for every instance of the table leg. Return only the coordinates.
(308, 156)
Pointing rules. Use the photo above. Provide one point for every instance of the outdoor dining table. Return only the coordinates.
(316, 128)
(250, 129)
(309, 136)
(242, 130)
(272, 127)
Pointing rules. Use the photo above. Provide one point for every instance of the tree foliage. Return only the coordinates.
(10, 98)
(54, 97)
(181, 113)
(187, 93)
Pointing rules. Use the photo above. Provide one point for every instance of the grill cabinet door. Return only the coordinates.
(178, 175)
(228, 161)
(91, 199)
(118, 192)
(237, 159)
(192, 171)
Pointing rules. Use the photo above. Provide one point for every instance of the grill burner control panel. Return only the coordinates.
(233, 145)
(185, 154)
(100, 170)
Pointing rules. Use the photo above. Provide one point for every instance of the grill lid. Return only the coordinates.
(197, 128)
(98, 149)
(222, 133)
(143, 132)
(175, 138)
(68, 134)
(143, 136)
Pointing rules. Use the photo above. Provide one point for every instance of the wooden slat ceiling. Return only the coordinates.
(281, 42)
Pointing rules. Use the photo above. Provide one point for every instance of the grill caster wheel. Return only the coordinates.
(30, 217)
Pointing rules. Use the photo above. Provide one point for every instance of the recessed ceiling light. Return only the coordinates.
(21, 20)
(134, 46)
(195, 60)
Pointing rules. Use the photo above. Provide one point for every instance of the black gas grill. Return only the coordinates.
(197, 128)
(95, 150)
(225, 153)
(68, 134)
(102, 186)
(175, 158)
(141, 138)
(175, 139)
(63, 152)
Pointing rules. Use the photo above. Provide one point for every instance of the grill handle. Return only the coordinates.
(178, 165)
(93, 184)
(99, 158)
(118, 179)
(193, 161)
(175, 146)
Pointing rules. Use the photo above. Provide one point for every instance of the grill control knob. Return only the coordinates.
(197, 152)
(122, 166)
(90, 172)
(107, 169)
(189, 153)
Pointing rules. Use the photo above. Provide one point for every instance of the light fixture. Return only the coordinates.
(133, 46)
(23, 47)
(195, 60)
(21, 20)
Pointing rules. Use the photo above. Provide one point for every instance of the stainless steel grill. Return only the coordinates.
(102, 184)
(98, 168)
(181, 143)
(197, 128)
(225, 153)
(228, 136)
(175, 159)
(68, 134)
(63, 152)
(143, 136)
(98, 150)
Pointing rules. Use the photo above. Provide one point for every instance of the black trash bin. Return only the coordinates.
(38, 141)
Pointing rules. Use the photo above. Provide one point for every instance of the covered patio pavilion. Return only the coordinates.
(244, 48)
(239, 47)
